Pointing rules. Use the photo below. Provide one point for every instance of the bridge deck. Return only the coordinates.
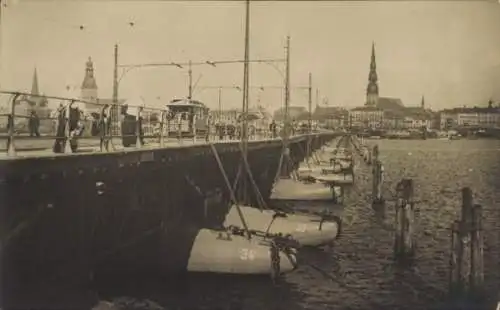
(42, 147)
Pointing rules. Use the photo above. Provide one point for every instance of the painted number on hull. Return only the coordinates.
(247, 254)
(301, 228)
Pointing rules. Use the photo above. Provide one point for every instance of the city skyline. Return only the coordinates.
(449, 52)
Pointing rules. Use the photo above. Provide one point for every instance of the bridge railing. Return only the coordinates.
(28, 124)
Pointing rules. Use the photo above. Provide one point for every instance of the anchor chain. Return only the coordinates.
(325, 216)
(288, 246)
(278, 243)
(332, 218)
(275, 262)
(231, 192)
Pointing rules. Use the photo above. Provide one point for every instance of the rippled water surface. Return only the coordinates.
(359, 272)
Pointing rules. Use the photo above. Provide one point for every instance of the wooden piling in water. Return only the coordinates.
(454, 263)
(477, 243)
(466, 257)
(375, 152)
(378, 202)
(403, 243)
(466, 214)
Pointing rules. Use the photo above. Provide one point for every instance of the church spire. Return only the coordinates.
(373, 64)
(34, 84)
(372, 89)
(422, 103)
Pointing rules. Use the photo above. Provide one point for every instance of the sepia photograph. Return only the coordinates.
(249, 154)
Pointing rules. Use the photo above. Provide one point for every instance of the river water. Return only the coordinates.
(359, 272)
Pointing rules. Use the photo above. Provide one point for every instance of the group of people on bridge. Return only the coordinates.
(70, 126)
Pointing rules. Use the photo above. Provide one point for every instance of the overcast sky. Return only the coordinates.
(448, 51)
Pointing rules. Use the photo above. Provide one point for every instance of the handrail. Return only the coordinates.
(19, 93)
(105, 122)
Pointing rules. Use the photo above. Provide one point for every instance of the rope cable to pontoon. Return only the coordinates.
(260, 199)
(231, 192)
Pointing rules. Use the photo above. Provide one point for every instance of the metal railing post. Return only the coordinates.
(194, 128)
(138, 127)
(11, 149)
(67, 131)
(104, 144)
(162, 120)
(179, 128)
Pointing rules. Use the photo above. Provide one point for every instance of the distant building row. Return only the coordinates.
(390, 113)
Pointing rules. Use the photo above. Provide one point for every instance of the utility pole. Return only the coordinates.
(287, 92)
(190, 73)
(115, 77)
(244, 124)
(317, 96)
(2, 4)
(310, 103)
(285, 164)
(220, 102)
(308, 154)
(115, 110)
(244, 129)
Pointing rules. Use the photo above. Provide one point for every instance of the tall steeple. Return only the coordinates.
(89, 85)
(372, 89)
(34, 84)
(422, 103)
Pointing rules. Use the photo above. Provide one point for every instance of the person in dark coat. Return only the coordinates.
(60, 131)
(220, 128)
(75, 129)
(34, 124)
(141, 129)
(272, 129)
(231, 131)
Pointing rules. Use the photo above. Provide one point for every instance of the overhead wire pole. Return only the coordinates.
(219, 99)
(190, 73)
(115, 76)
(309, 138)
(114, 110)
(286, 133)
(2, 3)
(244, 125)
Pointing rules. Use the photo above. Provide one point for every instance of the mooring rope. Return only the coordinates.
(231, 192)
(278, 171)
(260, 199)
(304, 152)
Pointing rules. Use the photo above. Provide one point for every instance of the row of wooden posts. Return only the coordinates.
(404, 248)
(467, 245)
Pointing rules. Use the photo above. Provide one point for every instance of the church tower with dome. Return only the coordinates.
(372, 89)
(89, 84)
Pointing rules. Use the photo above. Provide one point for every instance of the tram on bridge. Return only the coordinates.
(187, 117)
